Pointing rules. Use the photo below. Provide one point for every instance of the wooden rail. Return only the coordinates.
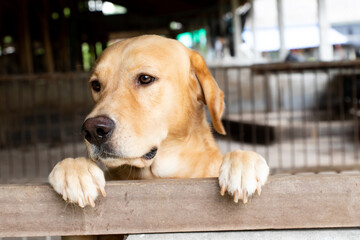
(45, 76)
(183, 205)
(300, 66)
(291, 66)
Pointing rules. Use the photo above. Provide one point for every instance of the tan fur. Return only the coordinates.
(175, 101)
(168, 114)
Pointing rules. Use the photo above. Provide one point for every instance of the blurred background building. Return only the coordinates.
(62, 35)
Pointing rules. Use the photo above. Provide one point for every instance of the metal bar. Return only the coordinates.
(8, 130)
(279, 107)
(252, 97)
(356, 121)
(22, 133)
(317, 118)
(48, 126)
(85, 99)
(329, 116)
(291, 108)
(19, 123)
(34, 129)
(266, 116)
(240, 109)
(342, 115)
(227, 112)
(74, 133)
(304, 118)
(60, 115)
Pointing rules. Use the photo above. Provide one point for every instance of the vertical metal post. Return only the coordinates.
(291, 108)
(60, 116)
(8, 133)
(48, 124)
(266, 115)
(304, 117)
(34, 128)
(342, 115)
(240, 109)
(227, 112)
(317, 118)
(252, 97)
(75, 131)
(22, 122)
(329, 116)
(279, 106)
(355, 110)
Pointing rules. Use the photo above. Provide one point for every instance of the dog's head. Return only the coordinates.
(147, 90)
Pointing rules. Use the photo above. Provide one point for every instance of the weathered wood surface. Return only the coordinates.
(289, 201)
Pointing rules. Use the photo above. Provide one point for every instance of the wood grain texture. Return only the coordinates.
(290, 201)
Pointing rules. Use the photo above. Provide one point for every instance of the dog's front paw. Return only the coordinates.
(241, 173)
(78, 180)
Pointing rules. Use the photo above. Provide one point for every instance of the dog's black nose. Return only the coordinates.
(98, 130)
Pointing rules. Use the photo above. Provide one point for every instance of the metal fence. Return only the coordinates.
(40, 122)
(297, 116)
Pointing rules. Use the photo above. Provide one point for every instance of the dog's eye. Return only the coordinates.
(146, 79)
(95, 85)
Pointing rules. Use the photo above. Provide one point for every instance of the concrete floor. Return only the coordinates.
(325, 234)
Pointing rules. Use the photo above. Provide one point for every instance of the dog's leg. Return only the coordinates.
(78, 180)
(241, 173)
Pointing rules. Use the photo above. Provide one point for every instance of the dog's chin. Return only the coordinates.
(112, 162)
(111, 159)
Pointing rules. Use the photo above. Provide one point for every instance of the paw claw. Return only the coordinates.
(102, 191)
(223, 190)
(91, 201)
(258, 189)
(81, 203)
(65, 197)
(236, 196)
(245, 196)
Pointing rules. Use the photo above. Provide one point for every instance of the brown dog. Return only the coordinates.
(149, 122)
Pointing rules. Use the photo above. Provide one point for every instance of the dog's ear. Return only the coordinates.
(213, 97)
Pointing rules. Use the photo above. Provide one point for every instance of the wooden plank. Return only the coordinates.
(183, 205)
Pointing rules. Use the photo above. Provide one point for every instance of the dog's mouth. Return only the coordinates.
(150, 155)
(108, 154)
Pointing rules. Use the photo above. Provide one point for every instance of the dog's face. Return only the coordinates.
(145, 91)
